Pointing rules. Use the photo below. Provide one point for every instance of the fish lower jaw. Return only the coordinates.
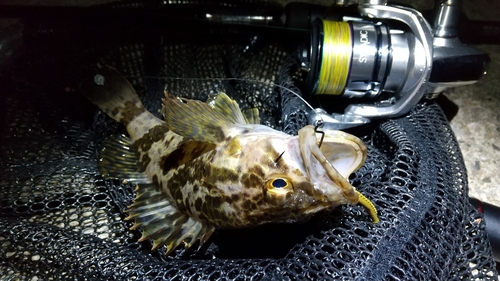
(317, 208)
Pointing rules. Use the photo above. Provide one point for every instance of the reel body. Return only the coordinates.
(386, 59)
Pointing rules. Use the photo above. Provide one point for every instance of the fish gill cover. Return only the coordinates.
(61, 220)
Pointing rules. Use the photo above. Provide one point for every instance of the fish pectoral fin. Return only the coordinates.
(118, 160)
(163, 223)
(252, 116)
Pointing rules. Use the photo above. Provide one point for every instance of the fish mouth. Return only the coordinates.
(313, 209)
(326, 179)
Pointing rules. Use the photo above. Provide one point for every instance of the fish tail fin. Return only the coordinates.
(113, 94)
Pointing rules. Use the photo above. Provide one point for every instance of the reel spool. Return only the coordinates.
(355, 59)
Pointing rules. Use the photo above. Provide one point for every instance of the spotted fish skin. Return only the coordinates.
(208, 168)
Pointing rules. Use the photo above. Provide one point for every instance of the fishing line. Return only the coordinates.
(235, 79)
(29, 84)
(318, 124)
(335, 59)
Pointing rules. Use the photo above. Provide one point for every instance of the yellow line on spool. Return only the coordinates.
(335, 59)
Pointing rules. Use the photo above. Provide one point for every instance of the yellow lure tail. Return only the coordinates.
(372, 211)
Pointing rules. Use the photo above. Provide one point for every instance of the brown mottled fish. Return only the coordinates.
(209, 165)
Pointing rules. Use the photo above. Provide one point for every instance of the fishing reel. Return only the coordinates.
(385, 60)
(381, 58)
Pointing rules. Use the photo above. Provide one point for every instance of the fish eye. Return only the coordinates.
(278, 190)
(278, 183)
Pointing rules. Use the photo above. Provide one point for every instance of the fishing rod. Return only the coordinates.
(380, 58)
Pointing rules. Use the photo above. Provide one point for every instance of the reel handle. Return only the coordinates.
(491, 215)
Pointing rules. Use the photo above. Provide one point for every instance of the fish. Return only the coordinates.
(210, 165)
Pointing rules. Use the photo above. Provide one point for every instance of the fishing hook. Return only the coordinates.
(319, 123)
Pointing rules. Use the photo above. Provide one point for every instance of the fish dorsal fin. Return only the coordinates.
(252, 116)
(196, 120)
(163, 223)
(118, 160)
(228, 107)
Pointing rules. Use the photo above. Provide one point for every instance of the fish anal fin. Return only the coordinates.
(163, 223)
(118, 160)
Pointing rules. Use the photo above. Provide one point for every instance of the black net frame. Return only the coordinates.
(61, 220)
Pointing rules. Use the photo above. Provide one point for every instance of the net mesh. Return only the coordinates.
(61, 220)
